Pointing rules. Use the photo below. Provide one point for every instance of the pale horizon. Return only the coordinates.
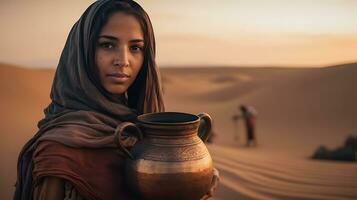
(200, 33)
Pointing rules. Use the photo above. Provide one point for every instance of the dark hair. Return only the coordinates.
(145, 94)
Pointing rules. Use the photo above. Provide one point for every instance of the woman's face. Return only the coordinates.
(119, 52)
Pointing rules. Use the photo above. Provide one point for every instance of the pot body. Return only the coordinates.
(171, 161)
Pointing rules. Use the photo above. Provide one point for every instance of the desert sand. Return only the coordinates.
(299, 109)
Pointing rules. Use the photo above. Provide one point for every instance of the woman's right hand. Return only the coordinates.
(214, 184)
(128, 141)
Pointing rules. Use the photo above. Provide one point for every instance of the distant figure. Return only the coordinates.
(249, 115)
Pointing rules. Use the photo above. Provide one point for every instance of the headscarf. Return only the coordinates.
(81, 114)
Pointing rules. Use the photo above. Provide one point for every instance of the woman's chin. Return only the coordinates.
(117, 90)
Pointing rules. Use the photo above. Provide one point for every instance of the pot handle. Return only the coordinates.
(205, 127)
(119, 132)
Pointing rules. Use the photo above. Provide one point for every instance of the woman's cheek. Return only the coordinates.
(102, 62)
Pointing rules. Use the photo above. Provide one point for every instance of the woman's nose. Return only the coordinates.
(121, 59)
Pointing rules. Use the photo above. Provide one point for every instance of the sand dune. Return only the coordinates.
(299, 109)
(24, 93)
(258, 175)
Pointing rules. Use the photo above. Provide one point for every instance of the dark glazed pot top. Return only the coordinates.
(168, 118)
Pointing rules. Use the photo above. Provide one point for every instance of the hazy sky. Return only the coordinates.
(198, 32)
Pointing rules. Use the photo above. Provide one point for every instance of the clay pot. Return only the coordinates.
(170, 161)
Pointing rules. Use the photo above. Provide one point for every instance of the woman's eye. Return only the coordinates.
(107, 45)
(136, 48)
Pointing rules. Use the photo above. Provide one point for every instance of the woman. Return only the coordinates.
(106, 75)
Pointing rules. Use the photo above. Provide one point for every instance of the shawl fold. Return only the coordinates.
(72, 164)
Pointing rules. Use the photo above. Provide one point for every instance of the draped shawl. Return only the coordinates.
(78, 125)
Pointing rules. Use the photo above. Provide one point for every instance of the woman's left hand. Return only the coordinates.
(214, 184)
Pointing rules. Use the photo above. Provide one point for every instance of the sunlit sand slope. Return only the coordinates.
(254, 174)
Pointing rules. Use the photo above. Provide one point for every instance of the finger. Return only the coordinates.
(205, 197)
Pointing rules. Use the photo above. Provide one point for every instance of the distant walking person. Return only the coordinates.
(249, 115)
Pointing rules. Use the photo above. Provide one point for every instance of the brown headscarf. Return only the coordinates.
(75, 140)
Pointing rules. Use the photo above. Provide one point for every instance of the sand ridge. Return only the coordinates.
(250, 174)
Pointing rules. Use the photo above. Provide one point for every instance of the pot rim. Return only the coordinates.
(141, 119)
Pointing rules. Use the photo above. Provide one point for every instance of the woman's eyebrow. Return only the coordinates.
(137, 40)
(108, 37)
(116, 39)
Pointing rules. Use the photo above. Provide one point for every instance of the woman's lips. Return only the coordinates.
(118, 77)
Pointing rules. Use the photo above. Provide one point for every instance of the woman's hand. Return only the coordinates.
(129, 141)
(214, 184)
